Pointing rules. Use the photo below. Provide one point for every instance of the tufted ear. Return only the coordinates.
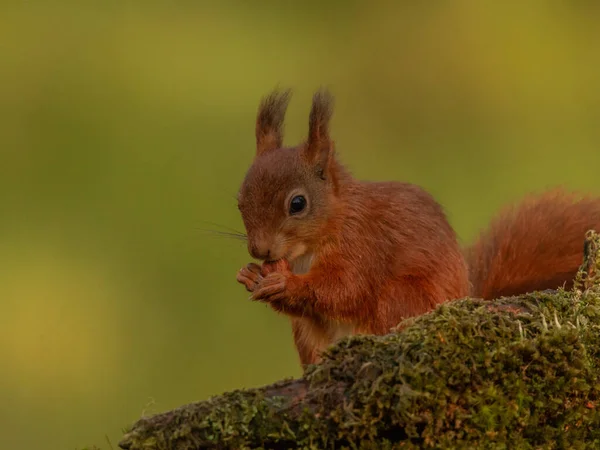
(269, 121)
(319, 147)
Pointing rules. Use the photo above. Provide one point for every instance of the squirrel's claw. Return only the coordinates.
(249, 276)
(271, 288)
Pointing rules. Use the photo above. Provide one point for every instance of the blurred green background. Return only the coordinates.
(126, 128)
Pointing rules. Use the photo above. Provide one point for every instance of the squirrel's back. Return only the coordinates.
(535, 245)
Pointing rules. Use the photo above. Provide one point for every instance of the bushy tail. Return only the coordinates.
(535, 245)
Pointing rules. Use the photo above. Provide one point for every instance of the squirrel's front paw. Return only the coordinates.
(271, 288)
(250, 276)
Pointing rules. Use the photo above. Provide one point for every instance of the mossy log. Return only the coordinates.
(519, 372)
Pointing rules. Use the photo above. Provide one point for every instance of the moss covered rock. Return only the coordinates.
(519, 372)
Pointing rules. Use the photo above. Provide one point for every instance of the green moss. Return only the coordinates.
(514, 373)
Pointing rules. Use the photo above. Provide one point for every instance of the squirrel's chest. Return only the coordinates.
(313, 335)
(301, 265)
(318, 333)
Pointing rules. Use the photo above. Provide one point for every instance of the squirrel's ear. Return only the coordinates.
(269, 121)
(319, 145)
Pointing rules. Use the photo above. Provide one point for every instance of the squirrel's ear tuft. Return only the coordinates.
(269, 121)
(319, 143)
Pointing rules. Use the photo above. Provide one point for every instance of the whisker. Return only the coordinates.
(233, 230)
(238, 236)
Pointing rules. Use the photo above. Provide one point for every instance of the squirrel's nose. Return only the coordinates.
(259, 249)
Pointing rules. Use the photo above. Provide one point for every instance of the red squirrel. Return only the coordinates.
(343, 256)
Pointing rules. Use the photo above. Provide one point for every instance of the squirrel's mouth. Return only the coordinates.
(278, 256)
(285, 257)
(272, 261)
(289, 254)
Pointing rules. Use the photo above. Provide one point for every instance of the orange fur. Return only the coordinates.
(362, 256)
(535, 245)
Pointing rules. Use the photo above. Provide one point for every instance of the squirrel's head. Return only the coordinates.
(288, 193)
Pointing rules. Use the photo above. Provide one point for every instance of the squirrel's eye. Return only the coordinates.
(297, 204)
